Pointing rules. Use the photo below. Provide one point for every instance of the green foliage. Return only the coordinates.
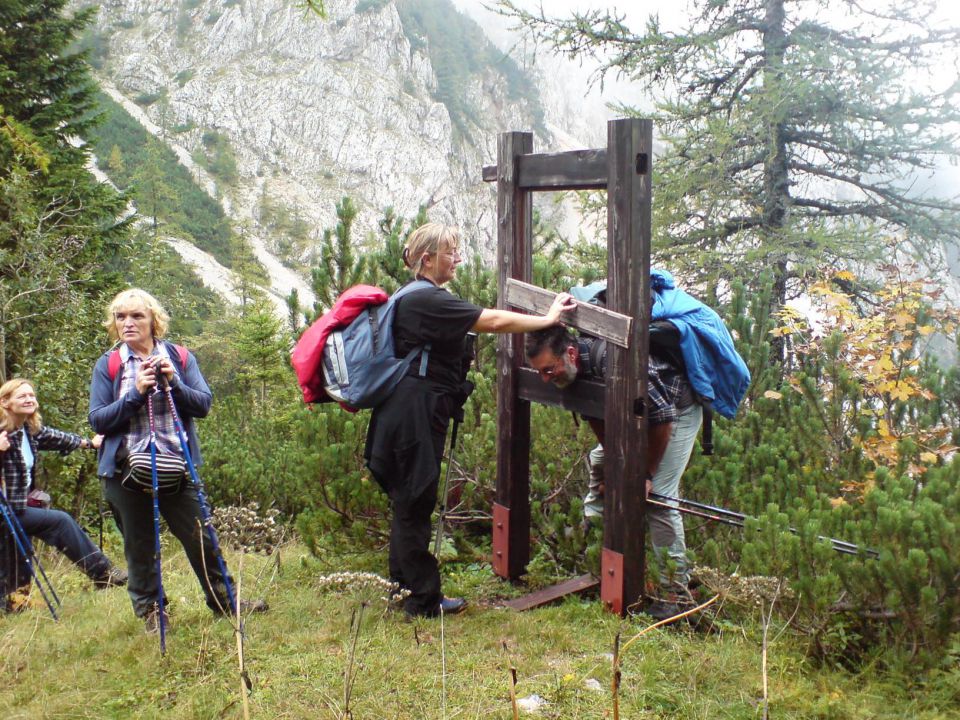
(184, 76)
(152, 170)
(459, 51)
(218, 157)
(148, 99)
(385, 267)
(338, 268)
(260, 348)
(793, 137)
(289, 232)
(58, 225)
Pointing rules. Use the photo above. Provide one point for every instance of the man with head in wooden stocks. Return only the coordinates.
(673, 421)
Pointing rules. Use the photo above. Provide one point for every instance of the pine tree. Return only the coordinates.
(385, 267)
(115, 161)
(260, 346)
(339, 267)
(793, 130)
(59, 234)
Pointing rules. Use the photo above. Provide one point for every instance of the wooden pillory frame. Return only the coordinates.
(623, 169)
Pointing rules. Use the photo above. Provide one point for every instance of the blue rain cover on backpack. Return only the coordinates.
(360, 369)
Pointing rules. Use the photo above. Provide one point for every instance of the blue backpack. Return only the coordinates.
(360, 369)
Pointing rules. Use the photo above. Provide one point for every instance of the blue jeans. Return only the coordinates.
(58, 529)
(666, 526)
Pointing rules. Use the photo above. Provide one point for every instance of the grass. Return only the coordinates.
(98, 662)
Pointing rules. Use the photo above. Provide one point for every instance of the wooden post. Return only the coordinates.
(511, 511)
(629, 155)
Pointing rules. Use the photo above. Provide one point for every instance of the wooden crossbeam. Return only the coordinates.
(554, 592)
(592, 319)
(585, 397)
(571, 170)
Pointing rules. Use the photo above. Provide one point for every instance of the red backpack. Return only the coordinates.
(307, 357)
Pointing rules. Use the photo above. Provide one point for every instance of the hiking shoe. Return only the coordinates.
(446, 606)
(151, 621)
(114, 577)
(669, 604)
(452, 606)
(246, 607)
(17, 601)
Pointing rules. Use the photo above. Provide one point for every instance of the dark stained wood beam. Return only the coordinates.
(572, 170)
(585, 397)
(554, 592)
(511, 540)
(592, 319)
(629, 144)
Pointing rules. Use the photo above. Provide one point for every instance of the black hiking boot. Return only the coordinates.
(114, 577)
(151, 621)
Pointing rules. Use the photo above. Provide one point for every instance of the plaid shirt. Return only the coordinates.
(16, 479)
(138, 435)
(667, 387)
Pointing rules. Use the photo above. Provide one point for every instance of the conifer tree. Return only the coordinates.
(58, 226)
(385, 263)
(794, 130)
(293, 311)
(260, 346)
(339, 266)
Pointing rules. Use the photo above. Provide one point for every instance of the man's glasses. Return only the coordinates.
(552, 371)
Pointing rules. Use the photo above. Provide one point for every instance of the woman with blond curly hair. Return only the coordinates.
(408, 431)
(124, 378)
(22, 436)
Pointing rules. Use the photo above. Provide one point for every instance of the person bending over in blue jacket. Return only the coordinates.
(673, 422)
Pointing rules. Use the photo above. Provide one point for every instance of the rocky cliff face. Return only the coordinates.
(312, 109)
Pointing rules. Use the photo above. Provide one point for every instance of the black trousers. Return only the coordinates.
(134, 512)
(412, 565)
(404, 450)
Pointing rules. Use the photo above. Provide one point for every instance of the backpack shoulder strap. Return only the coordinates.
(113, 360)
(423, 350)
(182, 353)
(113, 364)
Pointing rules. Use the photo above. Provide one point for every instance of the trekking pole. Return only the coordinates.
(23, 544)
(155, 493)
(729, 517)
(202, 496)
(469, 353)
(438, 540)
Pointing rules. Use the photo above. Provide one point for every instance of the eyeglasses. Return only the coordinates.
(451, 253)
(552, 371)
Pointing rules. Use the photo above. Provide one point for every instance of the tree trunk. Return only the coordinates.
(776, 176)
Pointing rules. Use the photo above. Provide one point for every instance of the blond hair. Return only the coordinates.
(133, 299)
(34, 422)
(426, 240)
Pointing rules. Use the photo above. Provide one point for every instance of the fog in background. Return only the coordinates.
(572, 89)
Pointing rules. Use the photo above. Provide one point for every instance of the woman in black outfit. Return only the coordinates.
(408, 432)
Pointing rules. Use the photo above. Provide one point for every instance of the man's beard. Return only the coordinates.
(569, 374)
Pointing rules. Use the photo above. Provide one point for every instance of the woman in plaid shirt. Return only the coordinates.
(22, 436)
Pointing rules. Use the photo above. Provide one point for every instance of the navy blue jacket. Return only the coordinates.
(110, 415)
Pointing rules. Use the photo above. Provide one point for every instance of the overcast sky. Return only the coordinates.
(672, 15)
